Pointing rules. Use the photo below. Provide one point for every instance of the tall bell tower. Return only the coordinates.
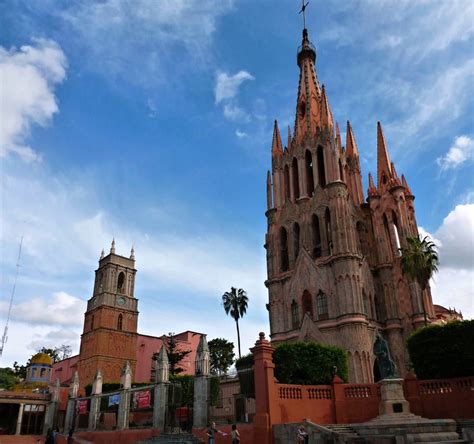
(109, 336)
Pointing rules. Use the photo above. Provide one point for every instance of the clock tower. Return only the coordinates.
(109, 337)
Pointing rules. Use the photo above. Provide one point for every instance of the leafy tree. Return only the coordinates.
(419, 262)
(65, 351)
(309, 363)
(235, 302)
(53, 352)
(443, 351)
(221, 355)
(175, 354)
(20, 370)
(8, 378)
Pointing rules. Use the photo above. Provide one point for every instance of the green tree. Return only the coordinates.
(221, 355)
(175, 354)
(419, 262)
(8, 378)
(53, 352)
(235, 302)
(20, 370)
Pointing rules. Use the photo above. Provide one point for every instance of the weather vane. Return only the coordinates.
(303, 7)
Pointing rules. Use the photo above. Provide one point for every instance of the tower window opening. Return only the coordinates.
(287, 183)
(365, 303)
(284, 250)
(307, 303)
(309, 173)
(296, 180)
(387, 235)
(322, 306)
(396, 233)
(362, 237)
(321, 170)
(341, 171)
(121, 282)
(296, 239)
(295, 317)
(327, 217)
(120, 322)
(302, 109)
(316, 236)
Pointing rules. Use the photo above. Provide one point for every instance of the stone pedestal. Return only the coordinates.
(160, 404)
(123, 410)
(70, 415)
(393, 400)
(94, 412)
(201, 401)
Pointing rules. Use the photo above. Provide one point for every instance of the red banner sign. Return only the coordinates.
(142, 400)
(82, 406)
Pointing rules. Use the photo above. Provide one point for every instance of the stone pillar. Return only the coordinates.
(265, 390)
(124, 403)
(161, 389)
(69, 422)
(94, 411)
(52, 408)
(201, 385)
(19, 419)
(340, 413)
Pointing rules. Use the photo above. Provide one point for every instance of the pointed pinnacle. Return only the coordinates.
(326, 115)
(338, 138)
(289, 138)
(372, 190)
(405, 185)
(277, 148)
(102, 254)
(132, 253)
(351, 145)
(383, 159)
(394, 171)
(112, 246)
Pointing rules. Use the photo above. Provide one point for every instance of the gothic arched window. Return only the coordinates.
(296, 183)
(287, 183)
(284, 263)
(120, 322)
(309, 173)
(327, 217)
(307, 303)
(365, 304)
(295, 316)
(296, 239)
(321, 168)
(341, 171)
(316, 234)
(387, 235)
(362, 236)
(396, 232)
(322, 305)
(120, 282)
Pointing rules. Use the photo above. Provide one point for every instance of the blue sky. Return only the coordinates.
(151, 122)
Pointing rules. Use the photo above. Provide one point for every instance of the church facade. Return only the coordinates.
(333, 259)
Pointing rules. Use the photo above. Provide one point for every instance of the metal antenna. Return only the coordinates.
(5, 332)
(303, 8)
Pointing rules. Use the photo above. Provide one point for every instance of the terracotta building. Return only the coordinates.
(110, 336)
(333, 262)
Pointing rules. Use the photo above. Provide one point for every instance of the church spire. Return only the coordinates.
(338, 138)
(383, 159)
(277, 148)
(112, 246)
(351, 146)
(326, 114)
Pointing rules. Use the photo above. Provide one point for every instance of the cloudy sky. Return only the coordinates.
(151, 122)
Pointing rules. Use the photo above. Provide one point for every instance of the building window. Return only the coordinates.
(327, 216)
(120, 282)
(295, 317)
(322, 306)
(362, 236)
(309, 173)
(341, 171)
(365, 304)
(296, 186)
(296, 239)
(316, 234)
(321, 170)
(92, 322)
(120, 322)
(396, 233)
(283, 249)
(287, 184)
(307, 302)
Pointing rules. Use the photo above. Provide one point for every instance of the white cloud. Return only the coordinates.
(240, 134)
(56, 338)
(227, 86)
(461, 151)
(28, 77)
(59, 309)
(235, 113)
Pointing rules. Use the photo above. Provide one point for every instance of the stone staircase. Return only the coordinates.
(172, 438)
(465, 428)
(346, 432)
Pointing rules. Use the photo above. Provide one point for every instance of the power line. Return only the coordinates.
(5, 332)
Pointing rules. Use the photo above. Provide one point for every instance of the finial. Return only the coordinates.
(303, 8)
(132, 253)
(102, 254)
(112, 246)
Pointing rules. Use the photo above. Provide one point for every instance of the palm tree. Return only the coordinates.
(419, 262)
(235, 302)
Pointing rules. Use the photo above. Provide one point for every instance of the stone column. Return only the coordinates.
(124, 403)
(69, 422)
(19, 419)
(265, 390)
(52, 408)
(161, 389)
(201, 385)
(94, 411)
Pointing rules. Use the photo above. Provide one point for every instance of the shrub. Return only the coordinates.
(443, 351)
(309, 363)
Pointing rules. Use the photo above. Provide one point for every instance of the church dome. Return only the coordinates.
(42, 358)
